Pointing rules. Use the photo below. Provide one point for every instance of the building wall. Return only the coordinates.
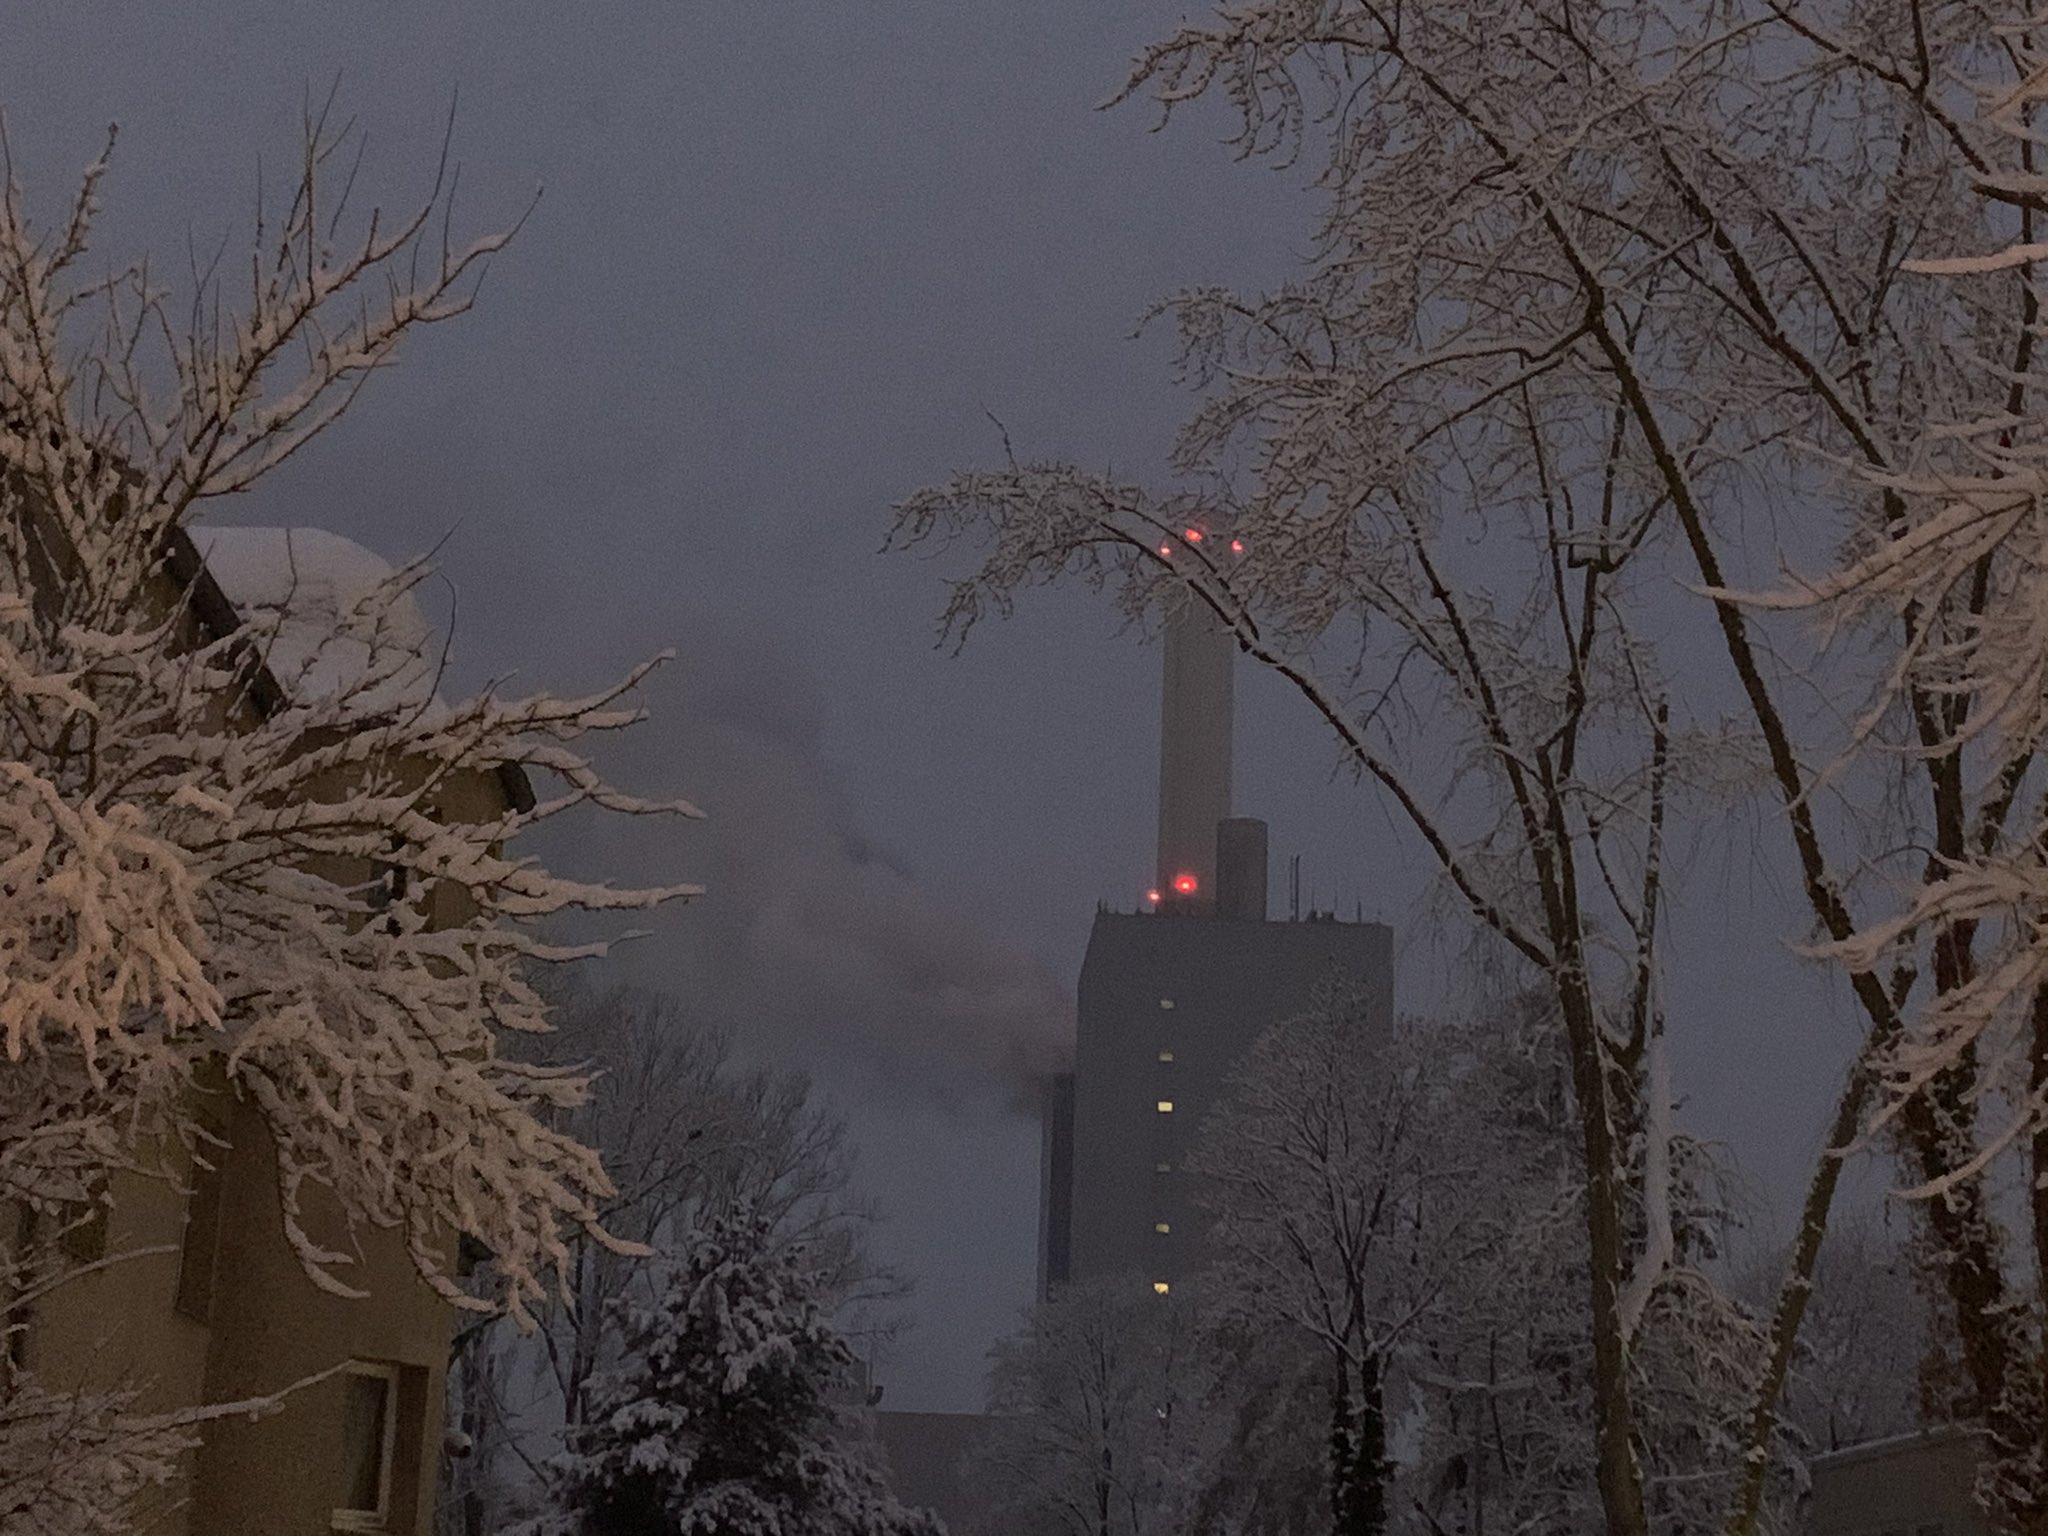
(272, 1327)
(114, 1329)
(1199, 990)
(1056, 1183)
(268, 1327)
(1918, 1485)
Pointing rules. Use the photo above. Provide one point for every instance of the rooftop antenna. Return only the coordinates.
(1294, 889)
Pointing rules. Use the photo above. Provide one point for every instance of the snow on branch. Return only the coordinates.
(243, 829)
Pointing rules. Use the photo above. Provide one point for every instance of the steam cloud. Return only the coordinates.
(812, 944)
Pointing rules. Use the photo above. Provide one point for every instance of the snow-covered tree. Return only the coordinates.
(1408, 1206)
(241, 844)
(1265, 1452)
(1497, 1374)
(725, 1416)
(1335, 1213)
(1871, 1364)
(1606, 294)
(689, 1136)
(1954, 568)
(247, 844)
(1100, 1414)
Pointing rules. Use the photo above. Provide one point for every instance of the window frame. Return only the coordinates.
(379, 1519)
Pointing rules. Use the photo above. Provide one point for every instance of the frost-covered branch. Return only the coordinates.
(245, 844)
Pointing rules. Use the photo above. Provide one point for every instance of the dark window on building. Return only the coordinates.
(380, 1442)
(85, 1230)
(198, 1256)
(369, 1442)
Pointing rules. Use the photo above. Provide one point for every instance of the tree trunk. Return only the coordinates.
(1616, 1467)
(1358, 1451)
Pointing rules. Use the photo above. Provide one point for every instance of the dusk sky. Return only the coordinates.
(786, 263)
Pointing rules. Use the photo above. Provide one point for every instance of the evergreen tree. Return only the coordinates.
(721, 1420)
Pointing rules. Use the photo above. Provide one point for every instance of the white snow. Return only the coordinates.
(338, 619)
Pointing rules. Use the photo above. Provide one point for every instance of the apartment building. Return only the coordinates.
(194, 1297)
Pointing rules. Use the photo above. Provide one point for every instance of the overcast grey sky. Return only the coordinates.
(786, 258)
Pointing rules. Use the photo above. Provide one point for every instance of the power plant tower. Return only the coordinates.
(1170, 999)
(1195, 717)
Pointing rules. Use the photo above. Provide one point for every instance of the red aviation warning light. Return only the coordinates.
(1237, 546)
(1166, 551)
(1152, 897)
(1185, 885)
(1192, 535)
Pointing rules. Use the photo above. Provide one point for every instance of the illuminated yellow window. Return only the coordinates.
(1160, 1287)
(1166, 1055)
(1166, 1002)
(1166, 1106)
(1162, 1228)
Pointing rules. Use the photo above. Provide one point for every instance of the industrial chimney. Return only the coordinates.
(1194, 757)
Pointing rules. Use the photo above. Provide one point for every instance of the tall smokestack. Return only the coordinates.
(1194, 757)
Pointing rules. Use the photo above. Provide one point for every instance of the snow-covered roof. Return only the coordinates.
(326, 615)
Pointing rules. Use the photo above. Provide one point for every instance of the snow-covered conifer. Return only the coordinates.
(726, 1416)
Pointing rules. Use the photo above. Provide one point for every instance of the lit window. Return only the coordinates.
(369, 1444)
(1166, 1106)
(1160, 1287)
(1166, 1055)
(1166, 1002)
(1162, 1227)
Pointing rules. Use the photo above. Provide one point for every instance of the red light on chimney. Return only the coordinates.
(1237, 546)
(1166, 551)
(1192, 535)
(1186, 885)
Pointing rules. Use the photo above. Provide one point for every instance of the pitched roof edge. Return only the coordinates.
(210, 606)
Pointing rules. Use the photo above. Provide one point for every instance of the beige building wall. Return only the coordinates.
(267, 1328)
(114, 1328)
(272, 1327)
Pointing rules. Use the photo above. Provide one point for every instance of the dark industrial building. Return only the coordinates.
(1172, 997)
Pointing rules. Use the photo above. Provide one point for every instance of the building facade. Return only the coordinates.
(1169, 1003)
(1171, 998)
(192, 1296)
(207, 1304)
